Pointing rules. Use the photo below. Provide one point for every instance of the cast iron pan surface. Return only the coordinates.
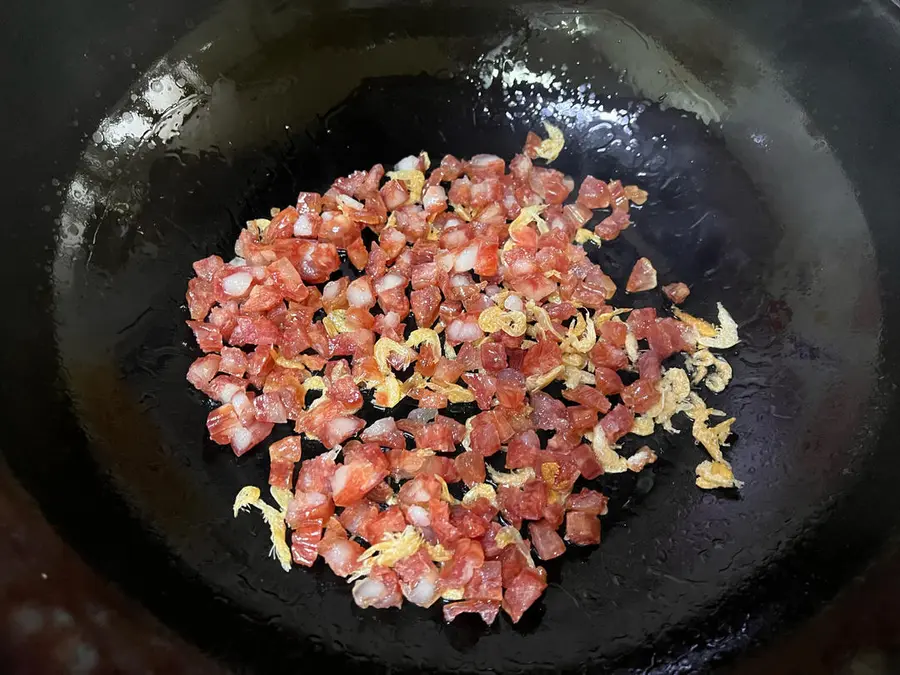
(751, 204)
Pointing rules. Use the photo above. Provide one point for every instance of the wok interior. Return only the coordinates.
(247, 110)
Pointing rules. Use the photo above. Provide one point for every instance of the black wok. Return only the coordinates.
(140, 138)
